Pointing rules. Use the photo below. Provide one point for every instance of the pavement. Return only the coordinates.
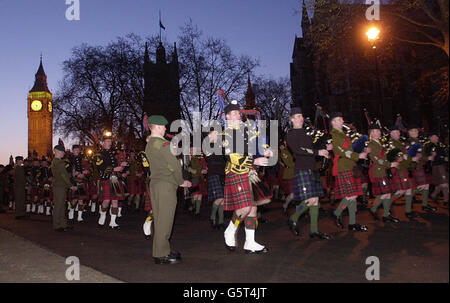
(409, 251)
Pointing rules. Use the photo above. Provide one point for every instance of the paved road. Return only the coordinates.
(408, 251)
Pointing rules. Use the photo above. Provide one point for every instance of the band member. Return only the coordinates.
(403, 178)
(61, 182)
(382, 187)
(287, 169)
(135, 182)
(93, 178)
(111, 190)
(421, 178)
(147, 226)
(347, 187)
(307, 182)
(77, 197)
(35, 171)
(19, 188)
(439, 169)
(166, 176)
(237, 191)
(46, 180)
(197, 190)
(216, 181)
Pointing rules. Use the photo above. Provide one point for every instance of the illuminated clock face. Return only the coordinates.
(36, 105)
(50, 107)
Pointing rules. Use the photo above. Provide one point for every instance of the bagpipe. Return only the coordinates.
(320, 140)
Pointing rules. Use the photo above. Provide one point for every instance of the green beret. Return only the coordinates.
(60, 148)
(157, 120)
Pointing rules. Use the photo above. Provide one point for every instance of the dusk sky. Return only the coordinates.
(264, 30)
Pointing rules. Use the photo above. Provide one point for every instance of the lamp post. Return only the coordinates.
(373, 34)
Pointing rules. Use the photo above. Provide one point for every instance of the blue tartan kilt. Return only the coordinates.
(215, 188)
(307, 184)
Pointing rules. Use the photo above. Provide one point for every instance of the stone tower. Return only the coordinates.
(40, 116)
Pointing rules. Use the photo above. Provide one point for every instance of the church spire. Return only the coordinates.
(305, 20)
(40, 82)
(249, 96)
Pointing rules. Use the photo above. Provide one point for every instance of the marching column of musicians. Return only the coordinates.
(232, 179)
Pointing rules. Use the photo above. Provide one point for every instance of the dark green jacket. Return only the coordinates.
(164, 166)
(347, 157)
(61, 177)
(380, 164)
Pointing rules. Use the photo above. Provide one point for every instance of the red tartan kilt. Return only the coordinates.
(272, 179)
(202, 187)
(401, 180)
(381, 186)
(71, 195)
(421, 178)
(346, 185)
(237, 192)
(92, 188)
(35, 193)
(287, 185)
(135, 186)
(106, 191)
(148, 201)
(364, 178)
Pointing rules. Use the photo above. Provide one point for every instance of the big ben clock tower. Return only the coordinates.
(40, 116)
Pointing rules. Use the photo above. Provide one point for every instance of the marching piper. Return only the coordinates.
(307, 182)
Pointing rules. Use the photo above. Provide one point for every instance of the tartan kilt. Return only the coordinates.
(215, 188)
(272, 178)
(237, 192)
(287, 185)
(134, 185)
(307, 184)
(261, 192)
(346, 185)
(76, 195)
(364, 178)
(93, 189)
(148, 201)
(199, 187)
(106, 191)
(420, 177)
(440, 175)
(401, 180)
(382, 185)
(35, 193)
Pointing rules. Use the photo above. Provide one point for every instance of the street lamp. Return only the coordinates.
(373, 34)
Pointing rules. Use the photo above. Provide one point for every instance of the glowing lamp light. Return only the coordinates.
(373, 33)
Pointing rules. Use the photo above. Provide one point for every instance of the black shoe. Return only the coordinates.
(230, 248)
(61, 229)
(320, 236)
(390, 219)
(167, 260)
(338, 221)
(374, 215)
(220, 226)
(411, 215)
(262, 251)
(429, 209)
(213, 224)
(175, 254)
(357, 227)
(293, 227)
(147, 237)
